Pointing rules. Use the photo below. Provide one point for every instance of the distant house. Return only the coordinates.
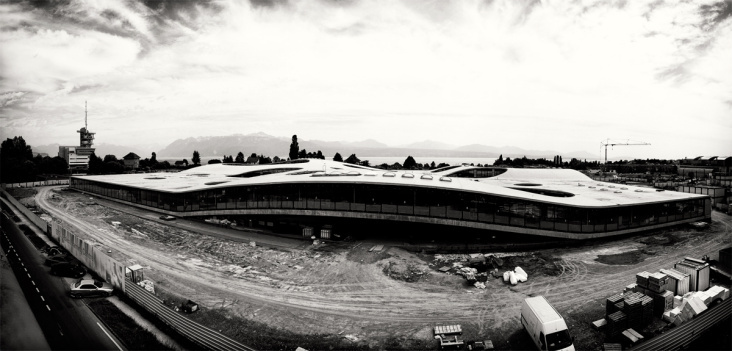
(183, 163)
(252, 160)
(132, 160)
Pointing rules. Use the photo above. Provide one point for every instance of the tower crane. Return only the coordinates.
(611, 143)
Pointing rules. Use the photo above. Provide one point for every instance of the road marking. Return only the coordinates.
(29, 275)
(49, 308)
(110, 337)
(26, 270)
(38, 291)
(22, 264)
(34, 283)
(44, 300)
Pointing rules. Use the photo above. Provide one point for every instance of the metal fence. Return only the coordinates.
(680, 337)
(35, 184)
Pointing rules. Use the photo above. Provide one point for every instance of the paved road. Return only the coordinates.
(261, 238)
(68, 324)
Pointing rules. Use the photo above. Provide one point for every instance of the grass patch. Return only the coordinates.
(135, 337)
(32, 236)
(20, 193)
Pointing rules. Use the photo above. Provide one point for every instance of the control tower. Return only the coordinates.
(77, 157)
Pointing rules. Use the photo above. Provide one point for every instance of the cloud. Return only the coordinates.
(428, 67)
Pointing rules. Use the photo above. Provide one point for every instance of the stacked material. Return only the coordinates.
(663, 302)
(521, 274)
(612, 347)
(690, 307)
(631, 287)
(718, 292)
(657, 282)
(616, 323)
(610, 304)
(632, 335)
(642, 279)
(648, 308)
(678, 281)
(633, 309)
(698, 271)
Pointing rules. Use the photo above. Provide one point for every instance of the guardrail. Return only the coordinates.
(205, 337)
(680, 337)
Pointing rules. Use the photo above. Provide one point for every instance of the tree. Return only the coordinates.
(338, 157)
(212, 161)
(432, 165)
(499, 161)
(294, 148)
(302, 154)
(240, 158)
(96, 165)
(365, 163)
(196, 158)
(410, 163)
(319, 155)
(352, 159)
(153, 159)
(110, 158)
(13, 167)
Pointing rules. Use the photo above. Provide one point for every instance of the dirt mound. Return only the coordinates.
(624, 258)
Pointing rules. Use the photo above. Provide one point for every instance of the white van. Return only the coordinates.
(545, 326)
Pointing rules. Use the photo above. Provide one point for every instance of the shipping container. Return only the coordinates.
(679, 281)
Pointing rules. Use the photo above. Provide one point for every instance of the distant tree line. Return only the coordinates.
(17, 163)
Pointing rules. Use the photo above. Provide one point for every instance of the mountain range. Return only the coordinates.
(265, 144)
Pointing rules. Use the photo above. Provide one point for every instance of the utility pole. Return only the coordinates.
(611, 143)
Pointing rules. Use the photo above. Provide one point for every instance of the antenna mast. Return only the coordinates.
(85, 125)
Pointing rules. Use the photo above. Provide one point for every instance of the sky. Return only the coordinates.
(543, 75)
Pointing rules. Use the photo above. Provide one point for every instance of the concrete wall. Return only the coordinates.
(38, 221)
(89, 252)
(35, 184)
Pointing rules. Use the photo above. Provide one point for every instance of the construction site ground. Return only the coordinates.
(348, 295)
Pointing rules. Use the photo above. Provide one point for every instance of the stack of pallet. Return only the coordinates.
(633, 309)
(641, 281)
(648, 308)
(657, 282)
(611, 304)
(663, 302)
(616, 323)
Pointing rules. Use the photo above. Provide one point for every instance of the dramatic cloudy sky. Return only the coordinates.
(559, 75)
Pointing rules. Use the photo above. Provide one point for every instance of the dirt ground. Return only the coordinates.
(380, 298)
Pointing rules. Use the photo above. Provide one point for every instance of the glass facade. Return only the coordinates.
(405, 200)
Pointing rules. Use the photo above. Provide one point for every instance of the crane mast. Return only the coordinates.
(612, 143)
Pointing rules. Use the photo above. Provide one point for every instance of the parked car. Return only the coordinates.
(167, 218)
(67, 269)
(90, 287)
(65, 258)
(54, 250)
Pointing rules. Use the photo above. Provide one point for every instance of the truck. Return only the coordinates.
(545, 325)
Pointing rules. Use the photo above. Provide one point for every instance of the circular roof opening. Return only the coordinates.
(527, 184)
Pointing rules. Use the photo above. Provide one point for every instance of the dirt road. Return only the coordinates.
(342, 287)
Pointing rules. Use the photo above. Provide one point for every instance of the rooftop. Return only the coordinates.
(559, 186)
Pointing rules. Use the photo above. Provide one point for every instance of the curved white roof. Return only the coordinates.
(584, 191)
